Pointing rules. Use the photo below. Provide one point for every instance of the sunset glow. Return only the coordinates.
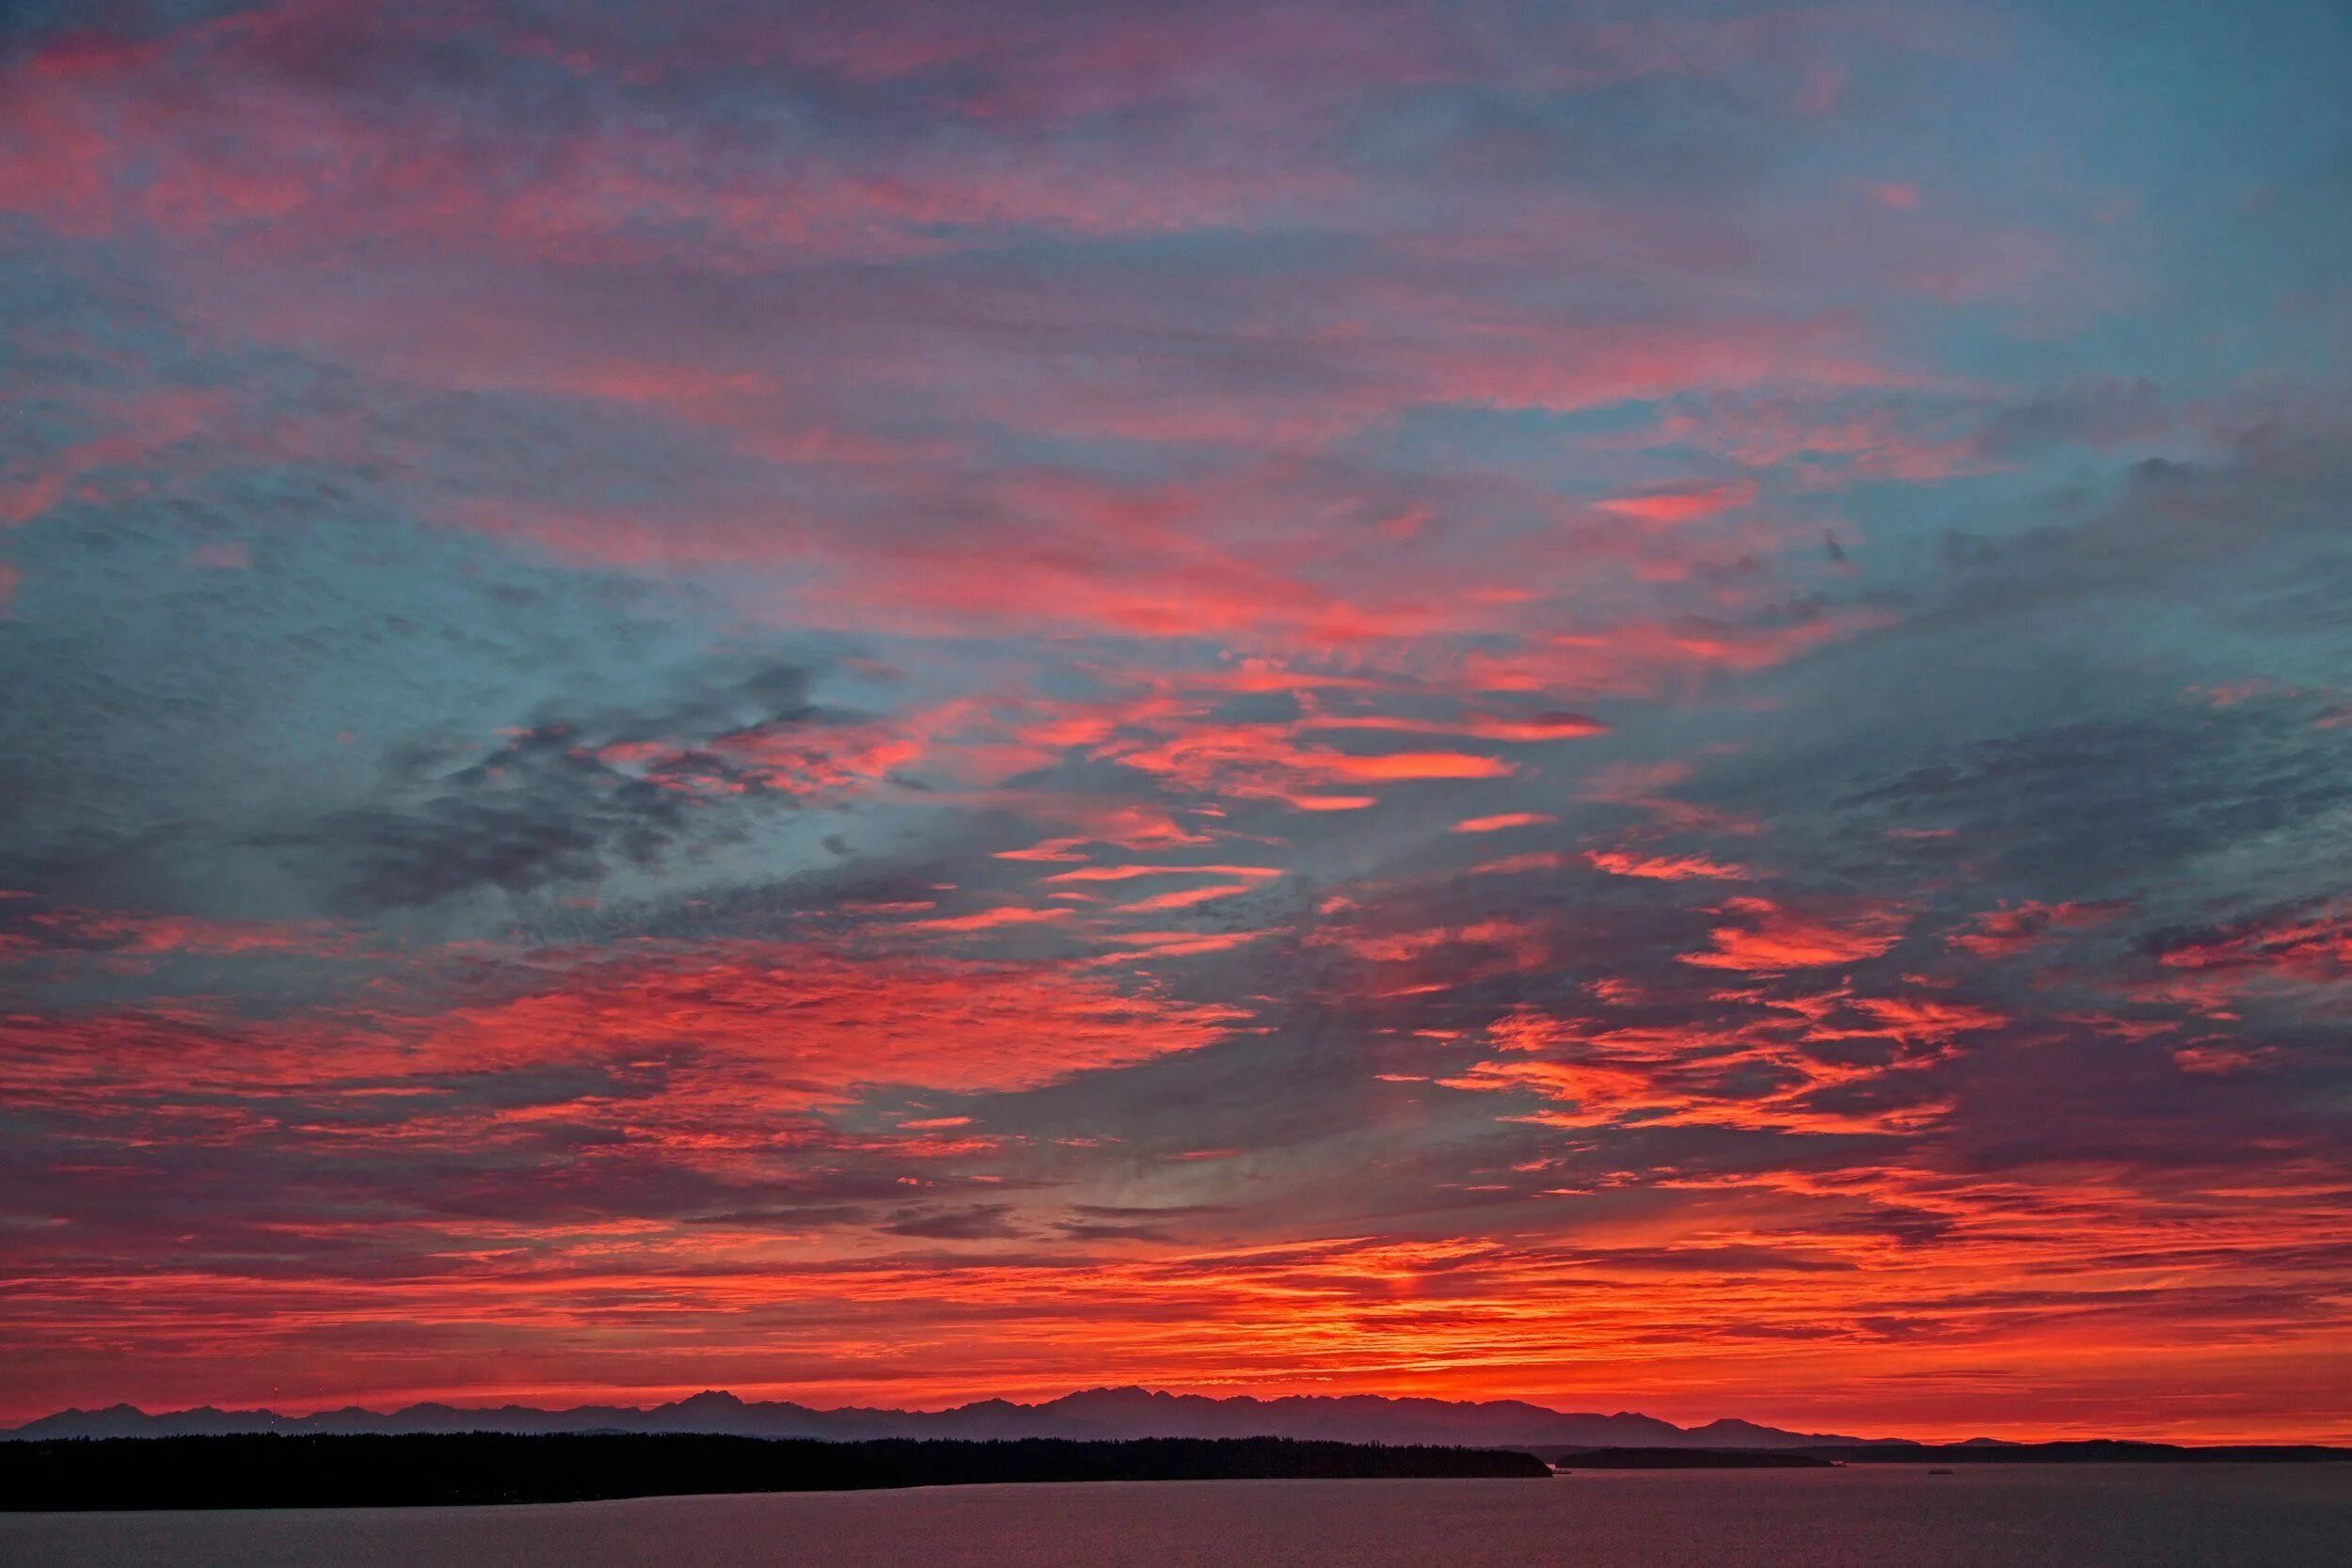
(1642, 707)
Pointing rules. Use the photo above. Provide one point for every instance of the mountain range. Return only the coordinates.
(1100, 1412)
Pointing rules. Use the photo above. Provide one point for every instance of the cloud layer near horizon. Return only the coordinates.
(1636, 705)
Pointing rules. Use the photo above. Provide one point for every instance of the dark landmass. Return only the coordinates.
(1115, 1415)
(373, 1471)
(1975, 1451)
(2098, 1450)
(1682, 1459)
(1097, 1413)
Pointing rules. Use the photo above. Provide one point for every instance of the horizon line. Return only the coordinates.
(554, 1402)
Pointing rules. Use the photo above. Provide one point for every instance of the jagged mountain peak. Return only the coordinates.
(1121, 1411)
(709, 1398)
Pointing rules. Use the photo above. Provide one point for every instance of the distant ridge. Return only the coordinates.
(1094, 1413)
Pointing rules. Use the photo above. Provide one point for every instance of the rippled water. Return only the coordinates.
(1990, 1517)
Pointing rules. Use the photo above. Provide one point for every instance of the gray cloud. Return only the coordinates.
(546, 806)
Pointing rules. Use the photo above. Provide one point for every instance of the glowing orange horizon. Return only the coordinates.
(897, 704)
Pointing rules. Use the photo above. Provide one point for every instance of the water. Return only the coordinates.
(1986, 1516)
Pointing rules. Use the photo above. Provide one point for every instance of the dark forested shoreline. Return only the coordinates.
(265, 1471)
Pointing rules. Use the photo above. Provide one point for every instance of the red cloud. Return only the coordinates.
(1478, 726)
(1773, 940)
(770, 1025)
(1929, 1017)
(1664, 869)
(63, 930)
(1185, 898)
(2314, 948)
(987, 920)
(2007, 931)
(1128, 873)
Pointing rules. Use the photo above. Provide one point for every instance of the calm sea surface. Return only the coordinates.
(1989, 1516)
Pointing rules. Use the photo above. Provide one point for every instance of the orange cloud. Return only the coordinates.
(1420, 765)
(1681, 503)
(1774, 939)
(1478, 726)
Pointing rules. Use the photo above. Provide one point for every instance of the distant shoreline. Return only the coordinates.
(2088, 1451)
(2092, 1451)
(1109, 1413)
(270, 1471)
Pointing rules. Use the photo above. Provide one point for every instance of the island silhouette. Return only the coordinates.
(269, 1471)
(124, 1458)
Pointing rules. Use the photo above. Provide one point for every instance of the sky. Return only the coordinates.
(1641, 706)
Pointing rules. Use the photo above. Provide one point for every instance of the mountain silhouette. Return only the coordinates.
(1099, 1412)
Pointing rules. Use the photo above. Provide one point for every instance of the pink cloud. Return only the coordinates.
(994, 919)
(1128, 873)
(1681, 503)
(1664, 869)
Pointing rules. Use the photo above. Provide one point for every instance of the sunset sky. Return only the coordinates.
(1646, 706)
